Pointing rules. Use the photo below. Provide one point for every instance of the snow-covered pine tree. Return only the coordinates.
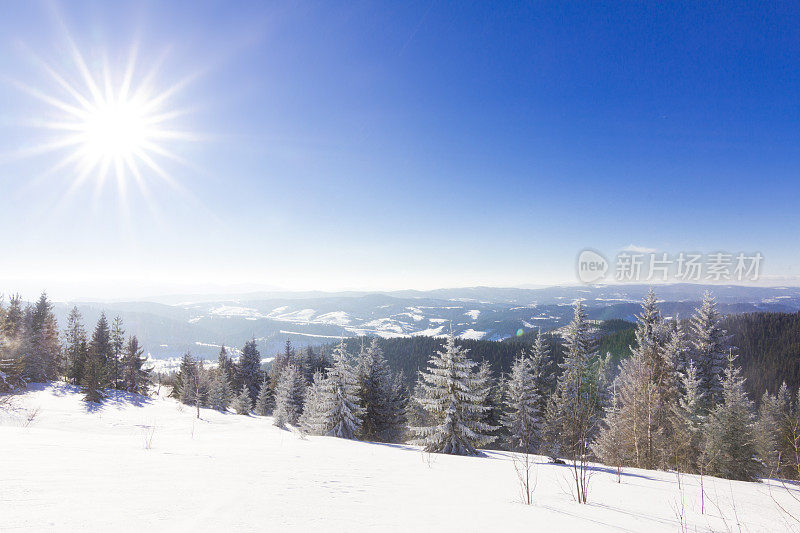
(281, 361)
(610, 443)
(93, 383)
(12, 363)
(242, 404)
(182, 388)
(74, 348)
(398, 399)
(265, 403)
(676, 351)
(312, 420)
(573, 411)
(710, 348)
(117, 352)
(767, 431)
(541, 373)
(522, 417)
(289, 396)
(730, 448)
(338, 397)
(636, 429)
(100, 347)
(226, 365)
(248, 371)
(374, 392)
(686, 421)
(42, 350)
(643, 388)
(134, 377)
(453, 396)
(220, 392)
(495, 399)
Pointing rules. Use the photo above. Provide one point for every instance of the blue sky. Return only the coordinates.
(408, 145)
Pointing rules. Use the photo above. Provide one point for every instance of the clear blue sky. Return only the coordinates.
(417, 144)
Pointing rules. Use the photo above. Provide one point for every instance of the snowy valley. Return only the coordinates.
(138, 463)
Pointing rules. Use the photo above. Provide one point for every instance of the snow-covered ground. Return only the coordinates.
(65, 467)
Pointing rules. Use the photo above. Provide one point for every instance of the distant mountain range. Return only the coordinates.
(169, 327)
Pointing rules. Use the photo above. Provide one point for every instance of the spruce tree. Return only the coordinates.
(543, 378)
(312, 420)
(117, 353)
(375, 389)
(74, 347)
(93, 383)
(730, 445)
(573, 411)
(338, 397)
(265, 403)
(12, 360)
(453, 396)
(183, 379)
(686, 421)
(494, 394)
(289, 396)
(225, 365)
(242, 403)
(249, 369)
(220, 393)
(522, 417)
(644, 388)
(710, 348)
(43, 349)
(610, 443)
(100, 348)
(134, 377)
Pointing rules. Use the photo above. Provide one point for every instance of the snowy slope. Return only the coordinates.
(90, 470)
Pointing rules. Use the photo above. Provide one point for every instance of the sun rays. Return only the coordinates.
(107, 121)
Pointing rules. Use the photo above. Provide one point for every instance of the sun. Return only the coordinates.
(115, 129)
(106, 125)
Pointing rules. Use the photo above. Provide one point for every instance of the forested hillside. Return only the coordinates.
(768, 346)
(769, 349)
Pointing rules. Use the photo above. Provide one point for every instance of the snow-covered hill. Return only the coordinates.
(138, 464)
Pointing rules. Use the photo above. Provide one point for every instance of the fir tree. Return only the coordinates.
(242, 403)
(42, 346)
(610, 443)
(134, 377)
(100, 348)
(454, 398)
(543, 378)
(522, 417)
(312, 420)
(573, 410)
(93, 383)
(265, 403)
(182, 387)
(644, 387)
(14, 323)
(338, 397)
(710, 348)
(117, 353)
(730, 448)
(225, 365)
(249, 369)
(220, 393)
(289, 396)
(74, 349)
(375, 392)
(686, 420)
